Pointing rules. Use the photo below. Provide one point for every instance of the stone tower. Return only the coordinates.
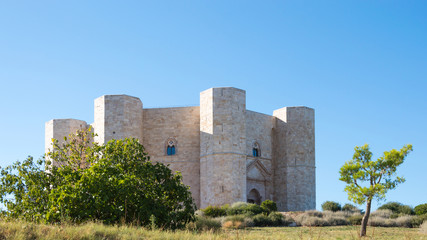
(222, 146)
(294, 160)
(117, 117)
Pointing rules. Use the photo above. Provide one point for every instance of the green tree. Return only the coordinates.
(114, 183)
(368, 179)
(331, 206)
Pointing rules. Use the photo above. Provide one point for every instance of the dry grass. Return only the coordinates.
(22, 230)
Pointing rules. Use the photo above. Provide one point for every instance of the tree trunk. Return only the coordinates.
(365, 218)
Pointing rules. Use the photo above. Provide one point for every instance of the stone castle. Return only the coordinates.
(225, 152)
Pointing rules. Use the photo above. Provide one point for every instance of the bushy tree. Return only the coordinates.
(421, 209)
(368, 179)
(113, 183)
(350, 208)
(269, 206)
(397, 208)
(331, 206)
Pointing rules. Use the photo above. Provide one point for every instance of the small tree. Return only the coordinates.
(331, 206)
(368, 179)
(421, 209)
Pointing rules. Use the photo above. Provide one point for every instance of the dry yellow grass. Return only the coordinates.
(22, 230)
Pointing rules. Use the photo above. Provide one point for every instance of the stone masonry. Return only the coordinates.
(225, 152)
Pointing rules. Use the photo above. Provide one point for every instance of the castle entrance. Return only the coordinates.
(254, 197)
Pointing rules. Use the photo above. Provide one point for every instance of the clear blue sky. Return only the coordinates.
(362, 65)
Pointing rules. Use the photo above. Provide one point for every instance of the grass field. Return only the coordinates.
(22, 230)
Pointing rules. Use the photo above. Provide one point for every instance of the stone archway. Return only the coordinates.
(254, 197)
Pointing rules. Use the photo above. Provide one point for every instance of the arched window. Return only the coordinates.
(254, 197)
(256, 152)
(171, 147)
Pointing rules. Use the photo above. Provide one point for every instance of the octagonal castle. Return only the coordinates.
(225, 152)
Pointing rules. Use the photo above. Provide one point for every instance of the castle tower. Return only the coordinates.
(294, 160)
(222, 146)
(60, 128)
(117, 117)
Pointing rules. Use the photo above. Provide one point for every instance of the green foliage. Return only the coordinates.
(244, 208)
(350, 208)
(379, 174)
(204, 224)
(421, 209)
(331, 206)
(269, 206)
(355, 219)
(215, 211)
(419, 219)
(397, 208)
(369, 179)
(114, 183)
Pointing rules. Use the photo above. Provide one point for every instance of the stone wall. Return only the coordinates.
(183, 125)
(259, 129)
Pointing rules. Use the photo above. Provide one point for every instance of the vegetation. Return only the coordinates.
(331, 206)
(398, 208)
(95, 231)
(368, 179)
(114, 183)
(269, 206)
(421, 209)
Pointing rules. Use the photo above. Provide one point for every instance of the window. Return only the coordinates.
(171, 147)
(255, 150)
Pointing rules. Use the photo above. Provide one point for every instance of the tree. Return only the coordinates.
(368, 179)
(331, 206)
(113, 183)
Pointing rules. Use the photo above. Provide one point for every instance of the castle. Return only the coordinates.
(225, 152)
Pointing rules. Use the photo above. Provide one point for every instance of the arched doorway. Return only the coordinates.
(254, 197)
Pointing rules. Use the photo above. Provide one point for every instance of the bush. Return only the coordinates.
(418, 220)
(355, 219)
(269, 206)
(331, 206)
(398, 208)
(382, 213)
(247, 209)
(277, 219)
(262, 220)
(350, 208)
(214, 211)
(113, 183)
(204, 224)
(237, 221)
(421, 209)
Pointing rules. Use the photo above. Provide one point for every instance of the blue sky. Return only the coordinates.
(362, 65)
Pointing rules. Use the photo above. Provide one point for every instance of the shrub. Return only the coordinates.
(247, 208)
(404, 221)
(331, 206)
(204, 224)
(421, 209)
(310, 218)
(355, 219)
(350, 208)
(214, 211)
(382, 213)
(418, 220)
(423, 227)
(277, 219)
(335, 218)
(262, 220)
(269, 206)
(237, 221)
(397, 208)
